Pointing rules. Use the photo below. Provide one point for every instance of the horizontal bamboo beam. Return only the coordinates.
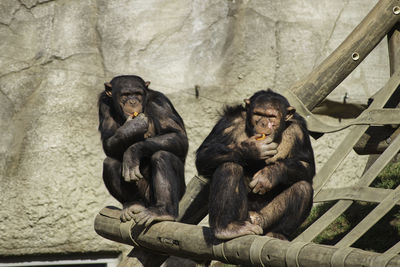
(196, 242)
(359, 193)
(338, 65)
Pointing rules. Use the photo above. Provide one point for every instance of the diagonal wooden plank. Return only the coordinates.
(372, 218)
(324, 221)
(351, 139)
(316, 86)
(341, 206)
(337, 157)
(394, 250)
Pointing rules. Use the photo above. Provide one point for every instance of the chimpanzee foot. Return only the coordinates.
(236, 229)
(130, 209)
(147, 216)
(276, 235)
(256, 218)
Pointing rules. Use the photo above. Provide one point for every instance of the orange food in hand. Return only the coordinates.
(261, 138)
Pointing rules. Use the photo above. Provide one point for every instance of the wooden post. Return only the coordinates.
(195, 242)
(376, 139)
(193, 206)
(334, 69)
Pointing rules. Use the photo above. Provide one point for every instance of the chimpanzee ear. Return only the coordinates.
(290, 112)
(147, 84)
(247, 102)
(108, 89)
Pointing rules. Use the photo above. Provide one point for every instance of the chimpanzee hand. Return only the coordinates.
(131, 163)
(262, 181)
(259, 149)
(138, 124)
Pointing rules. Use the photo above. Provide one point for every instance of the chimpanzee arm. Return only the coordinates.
(290, 171)
(175, 143)
(216, 149)
(117, 139)
(228, 142)
(282, 172)
(299, 166)
(170, 135)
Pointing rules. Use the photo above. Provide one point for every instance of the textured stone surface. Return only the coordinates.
(55, 56)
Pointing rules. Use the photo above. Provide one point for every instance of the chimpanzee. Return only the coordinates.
(261, 165)
(145, 142)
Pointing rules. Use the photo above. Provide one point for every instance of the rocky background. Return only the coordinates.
(56, 55)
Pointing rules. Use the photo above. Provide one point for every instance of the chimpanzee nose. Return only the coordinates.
(132, 101)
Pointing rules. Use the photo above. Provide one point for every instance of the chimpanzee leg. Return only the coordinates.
(124, 192)
(228, 208)
(168, 182)
(286, 212)
(131, 195)
(168, 186)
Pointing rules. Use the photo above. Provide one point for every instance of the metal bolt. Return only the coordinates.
(355, 56)
(388, 140)
(396, 10)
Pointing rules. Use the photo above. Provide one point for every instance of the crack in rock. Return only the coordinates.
(99, 41)
(325, 46)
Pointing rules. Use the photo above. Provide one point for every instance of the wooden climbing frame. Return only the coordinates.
(185, 240)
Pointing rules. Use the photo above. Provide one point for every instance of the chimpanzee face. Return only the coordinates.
(128, 94)
(131, 101)
(268, 116)
(266, 119)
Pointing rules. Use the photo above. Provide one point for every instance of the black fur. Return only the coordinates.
(231, 167)
(162, 156)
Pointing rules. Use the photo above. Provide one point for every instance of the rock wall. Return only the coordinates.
(55, 56)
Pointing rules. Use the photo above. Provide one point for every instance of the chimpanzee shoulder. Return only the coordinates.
(299, 119)
(230, 117)
(232, 112)
(158, 106)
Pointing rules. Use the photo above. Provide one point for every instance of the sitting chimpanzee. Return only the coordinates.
(145, 141)
(261, 163)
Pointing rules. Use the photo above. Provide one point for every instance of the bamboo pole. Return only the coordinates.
(195, 242)
(334, 69)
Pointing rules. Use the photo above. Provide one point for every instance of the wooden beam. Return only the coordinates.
(197, 242)
(358, 193)
(372, 218)
(316, 86)
(341, 206)
(377, 139)
(351, 139)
